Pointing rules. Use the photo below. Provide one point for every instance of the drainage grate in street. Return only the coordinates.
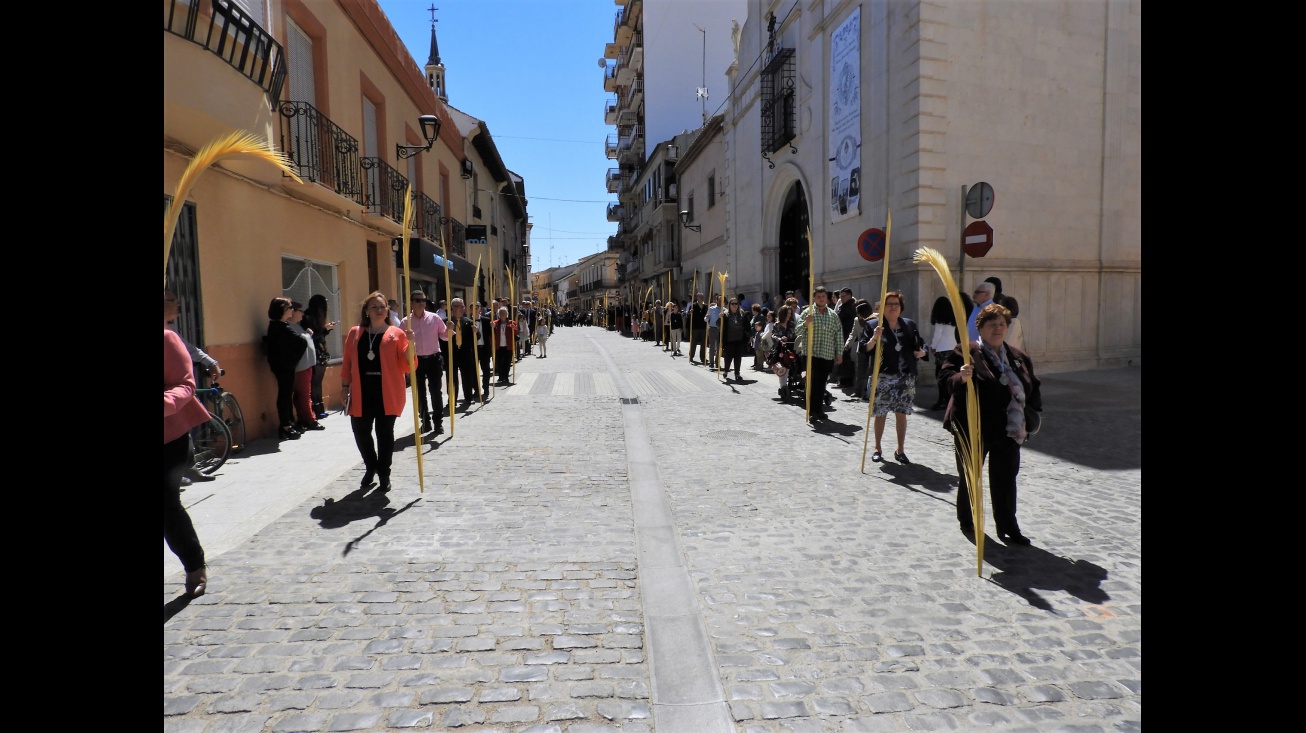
(630, 400)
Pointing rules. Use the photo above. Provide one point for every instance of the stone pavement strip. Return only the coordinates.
(622, 542)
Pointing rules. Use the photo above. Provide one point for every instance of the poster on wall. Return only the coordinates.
(845, 117)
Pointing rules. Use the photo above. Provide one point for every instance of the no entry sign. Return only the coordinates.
(977, 239)
(871, 245)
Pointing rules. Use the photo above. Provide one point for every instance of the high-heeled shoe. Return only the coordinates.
(196, 582)
(288, 433)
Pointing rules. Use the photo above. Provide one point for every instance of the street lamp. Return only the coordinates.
(684, 222)
(430, 130)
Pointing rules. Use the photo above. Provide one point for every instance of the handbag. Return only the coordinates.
(1033, 421)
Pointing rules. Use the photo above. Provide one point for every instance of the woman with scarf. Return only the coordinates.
(1004, 381)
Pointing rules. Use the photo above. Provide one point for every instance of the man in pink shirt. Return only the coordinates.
(428, 331)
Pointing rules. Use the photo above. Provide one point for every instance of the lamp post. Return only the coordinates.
(430, 130)
(684, 222)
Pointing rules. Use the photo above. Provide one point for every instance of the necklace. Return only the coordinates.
(371, 355)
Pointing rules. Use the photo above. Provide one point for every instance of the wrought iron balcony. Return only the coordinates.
(321, 150)
(614, 180)
(383, 189)
(457, 238)
(614, 212)
(610, 111)
(428, 218)
(233, 36)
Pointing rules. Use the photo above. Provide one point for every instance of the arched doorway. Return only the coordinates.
(793, 262)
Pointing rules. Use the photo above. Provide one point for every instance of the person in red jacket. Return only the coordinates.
(504, 334)
(181, 412)
(372, 370)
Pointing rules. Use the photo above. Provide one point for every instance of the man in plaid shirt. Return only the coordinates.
(827, 346)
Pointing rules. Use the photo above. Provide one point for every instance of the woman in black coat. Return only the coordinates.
(284, 348)
(736, 335)
(1008, 392)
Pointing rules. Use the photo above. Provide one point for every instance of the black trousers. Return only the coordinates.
(319, 371)
(1003, 457)
(503, 363)
(698, 340)
(376, 456)
(285, 397)
(464, 376)
(430, 375)
(483, 353)
(732, 353)
(178, 530)
(821, 369)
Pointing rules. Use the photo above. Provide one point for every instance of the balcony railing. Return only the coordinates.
(610, 145)
(614, 180)
(457, 238)
(233, 36)
(321, 150)
(428, 218)
(383, 189)
(614, 211)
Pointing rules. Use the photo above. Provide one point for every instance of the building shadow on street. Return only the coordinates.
(1093, 419)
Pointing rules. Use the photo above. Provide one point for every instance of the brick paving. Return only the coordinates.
(508, 595)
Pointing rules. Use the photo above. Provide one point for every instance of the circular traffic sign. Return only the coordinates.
(979, 200)
(871, 245)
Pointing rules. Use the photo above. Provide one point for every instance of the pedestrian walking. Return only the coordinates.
(372, 376)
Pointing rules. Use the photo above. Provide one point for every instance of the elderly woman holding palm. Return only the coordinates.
(1008, 391)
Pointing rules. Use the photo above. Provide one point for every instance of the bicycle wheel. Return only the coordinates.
(212, 443)
(229, 409)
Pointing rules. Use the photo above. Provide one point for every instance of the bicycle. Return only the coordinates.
(222, 403)
(214, 444)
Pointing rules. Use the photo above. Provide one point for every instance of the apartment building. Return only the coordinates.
(844, 114)
(331, 86)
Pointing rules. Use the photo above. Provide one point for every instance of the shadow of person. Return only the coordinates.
(383, 516)
(173, 607)
(915, 474)
(1025, 570)
(830, 426)
(356, 505)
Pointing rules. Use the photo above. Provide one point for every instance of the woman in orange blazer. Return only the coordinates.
(375, 361)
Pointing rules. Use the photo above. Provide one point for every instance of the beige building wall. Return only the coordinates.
(249, 215)
(1040, 100)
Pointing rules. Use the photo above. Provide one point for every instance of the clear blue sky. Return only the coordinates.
(529, 69)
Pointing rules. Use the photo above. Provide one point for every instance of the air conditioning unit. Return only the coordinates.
(673, 152)
(467, 168)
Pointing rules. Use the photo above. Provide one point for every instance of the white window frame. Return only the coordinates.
(308, 277)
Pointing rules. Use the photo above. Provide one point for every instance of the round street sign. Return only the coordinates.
(871, 245)
(979, 200)
(977, 239)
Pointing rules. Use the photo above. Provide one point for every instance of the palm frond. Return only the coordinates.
(233, 143)
(971, 449)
